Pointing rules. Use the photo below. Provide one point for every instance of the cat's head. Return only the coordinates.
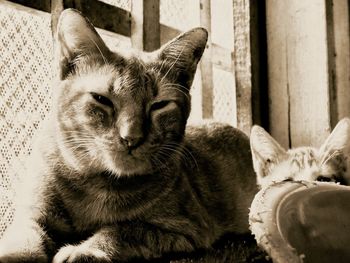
(272, 163)
(124, 112)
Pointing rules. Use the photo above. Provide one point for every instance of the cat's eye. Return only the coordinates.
(159, 105)
(102, 99)
(323, 179)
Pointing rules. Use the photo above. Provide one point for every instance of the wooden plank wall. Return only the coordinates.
(308, 69)
(206, 62)
(341, 55)
(308, 59)
(242, 64)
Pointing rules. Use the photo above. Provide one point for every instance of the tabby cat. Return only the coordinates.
(328, 163)
(115, 176)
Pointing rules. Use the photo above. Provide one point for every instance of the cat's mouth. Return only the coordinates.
(128, 163)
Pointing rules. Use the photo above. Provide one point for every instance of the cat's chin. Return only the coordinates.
(126, 165)
(130, 172)
(130, 168)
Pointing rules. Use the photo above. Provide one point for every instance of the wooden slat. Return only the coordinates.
(341, 31)
(145, 24)
(56, 9)
(43, 5)
(298, 71)
(307, 59)
(151, 25)
(332, 92)
(258, 47)
(137, 24)
(242, 64)
(279, 97)
(102, 15)
(206, 63)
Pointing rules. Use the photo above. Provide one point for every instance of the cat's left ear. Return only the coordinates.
(76, 37)
(183, 54)
(338, 141)
(266, 152)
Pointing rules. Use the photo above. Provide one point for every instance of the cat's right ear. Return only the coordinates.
(183, 54)
(266, 152)
(76, 37)
(338, 141)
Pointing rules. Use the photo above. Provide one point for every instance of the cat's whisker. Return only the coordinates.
(335, 153)
(159, 165)
(78, 143)
(183, 154)
(98, 48)
(185, 151)
(173, 86)
(86, 138)
(173, 64)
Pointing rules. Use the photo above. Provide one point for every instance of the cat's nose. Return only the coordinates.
(131, 134)
(131, 142)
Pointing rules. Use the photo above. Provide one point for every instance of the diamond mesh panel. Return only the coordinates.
(125, 4)
(224, 102)
(179, 14)
(25, 91)
(25, 80)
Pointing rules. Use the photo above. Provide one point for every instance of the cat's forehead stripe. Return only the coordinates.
(131, 78)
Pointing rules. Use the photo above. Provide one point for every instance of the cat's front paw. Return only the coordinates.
(23, 258)
(81, 253)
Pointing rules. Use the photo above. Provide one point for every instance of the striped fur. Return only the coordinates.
(115, 175)
(328, 163)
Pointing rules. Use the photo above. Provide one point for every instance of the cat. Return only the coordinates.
(329, 163)
(117, 173)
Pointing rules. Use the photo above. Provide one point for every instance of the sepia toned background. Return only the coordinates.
(282, 64)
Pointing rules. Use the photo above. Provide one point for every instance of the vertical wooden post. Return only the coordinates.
(299, 78)
(332, 88)
(279, 97)
(57, 6)
(206, 65)
(260, 113)
(242, 64)
(145, 25)
(341, 54)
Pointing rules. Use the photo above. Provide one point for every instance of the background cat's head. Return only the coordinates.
(125, 112)
(328, 163)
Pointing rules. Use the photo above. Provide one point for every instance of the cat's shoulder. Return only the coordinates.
(216, 134)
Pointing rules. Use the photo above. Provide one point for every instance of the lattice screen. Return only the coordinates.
(224, 93)
(25, 90)
(184, 15)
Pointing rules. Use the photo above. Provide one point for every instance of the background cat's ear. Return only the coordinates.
(76, 37)
(338, 141)
(183, 53)
(266, 152)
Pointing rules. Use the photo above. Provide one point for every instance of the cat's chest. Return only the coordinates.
(90, 207)
(93, 204)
